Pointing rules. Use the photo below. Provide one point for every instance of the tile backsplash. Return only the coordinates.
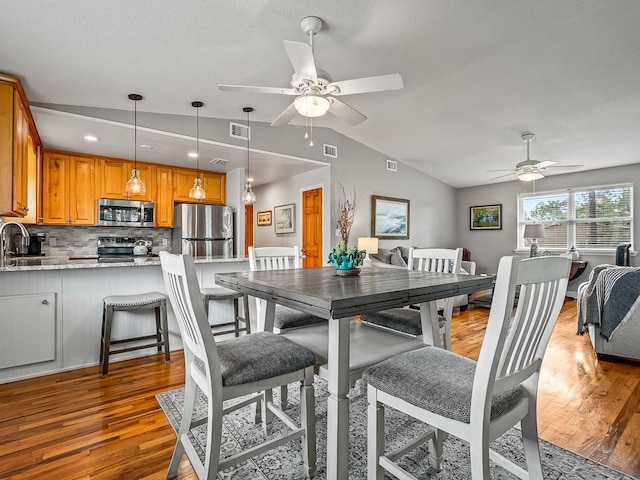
(82, 241)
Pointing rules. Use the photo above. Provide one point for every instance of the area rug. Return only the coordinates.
(285, 463)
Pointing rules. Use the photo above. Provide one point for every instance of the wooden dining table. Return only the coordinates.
(345, 348)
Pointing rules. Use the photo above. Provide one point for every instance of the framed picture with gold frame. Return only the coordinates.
(486, 217)
(264, 218)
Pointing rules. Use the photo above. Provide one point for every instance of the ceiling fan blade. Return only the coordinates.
(502, 170)
(249, 89)
(565, 166)
(301, 57)
(345, 112)
(545, 164)
(285, 117)
(501, 176)
(380, 83)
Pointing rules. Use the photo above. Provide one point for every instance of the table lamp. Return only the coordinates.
(370, 245)
(534, 231)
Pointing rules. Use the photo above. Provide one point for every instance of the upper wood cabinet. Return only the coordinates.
(164, 197)
(213, 183)
(68, 190)
(114, 174)
(17, 130)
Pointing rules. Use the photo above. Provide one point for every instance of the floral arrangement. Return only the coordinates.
(343, 257)
(346, 258)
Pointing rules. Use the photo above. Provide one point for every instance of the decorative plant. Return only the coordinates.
(346, 258)
(343, 257)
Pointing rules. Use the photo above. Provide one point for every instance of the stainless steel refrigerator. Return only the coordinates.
(202, 230)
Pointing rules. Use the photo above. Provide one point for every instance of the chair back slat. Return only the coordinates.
(274, 258)
(513, 346)
(437, 260)
(185, 297)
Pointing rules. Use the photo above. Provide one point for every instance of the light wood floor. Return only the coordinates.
(77, 425)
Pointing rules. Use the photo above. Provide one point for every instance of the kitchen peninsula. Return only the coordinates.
(52, 309)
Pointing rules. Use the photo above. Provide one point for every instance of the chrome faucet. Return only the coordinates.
(4, 243)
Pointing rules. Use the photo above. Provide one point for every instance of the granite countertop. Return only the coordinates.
(66, 263)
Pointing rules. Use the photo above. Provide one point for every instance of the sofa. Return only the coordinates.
(608, 311)
(399, 256)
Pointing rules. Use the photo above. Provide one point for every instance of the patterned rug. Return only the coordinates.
(285, 463)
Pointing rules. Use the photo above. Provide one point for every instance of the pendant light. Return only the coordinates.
(135, 185)
(197, 192)
(248, 197)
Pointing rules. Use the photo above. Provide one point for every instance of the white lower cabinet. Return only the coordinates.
(28, 325)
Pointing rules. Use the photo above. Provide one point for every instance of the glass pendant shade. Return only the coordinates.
(197, 192)
(248, 197)
(312, 105)
(135, 185)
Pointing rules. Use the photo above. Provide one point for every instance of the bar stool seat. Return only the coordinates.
(142, 301)
(222, 294)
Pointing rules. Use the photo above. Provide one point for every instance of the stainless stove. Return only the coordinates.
(120, 249)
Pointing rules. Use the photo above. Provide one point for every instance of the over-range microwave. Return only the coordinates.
(125, 213)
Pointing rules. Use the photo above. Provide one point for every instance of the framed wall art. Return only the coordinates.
(264, 218)
(486, 217)
(285, 218)
(389, 217)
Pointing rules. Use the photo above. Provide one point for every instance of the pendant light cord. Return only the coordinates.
(248, 110)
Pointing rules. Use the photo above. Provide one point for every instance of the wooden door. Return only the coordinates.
(20, 157)
(83, 204)
(164, 197)
(312, 228)
(55, 189)
(248, 228)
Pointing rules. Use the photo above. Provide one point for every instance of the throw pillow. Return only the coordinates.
(383, 255)
(396, 258)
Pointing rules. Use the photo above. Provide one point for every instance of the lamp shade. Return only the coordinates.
(534, 230)
(530, 176)
(369, 244)
(312, 105)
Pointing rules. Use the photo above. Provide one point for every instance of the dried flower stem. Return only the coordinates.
(346, 214)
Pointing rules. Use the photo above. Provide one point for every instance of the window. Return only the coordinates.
(593, 218)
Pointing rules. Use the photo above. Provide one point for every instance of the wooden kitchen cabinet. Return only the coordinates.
(17, 130)
(114, 174)
(68, 190)
(164, 197)
(212, 182)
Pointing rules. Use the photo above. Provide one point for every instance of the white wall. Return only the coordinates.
(487, 247)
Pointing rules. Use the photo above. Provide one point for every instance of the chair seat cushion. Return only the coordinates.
(436, 380)
(403, 320)
(220, 293)
(286, 317)
(134, 300)
(259, 356)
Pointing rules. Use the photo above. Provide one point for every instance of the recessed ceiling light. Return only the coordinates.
(193, 154)
(91, 138)
(144, 145)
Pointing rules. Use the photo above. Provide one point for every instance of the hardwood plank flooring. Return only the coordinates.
(77, 425)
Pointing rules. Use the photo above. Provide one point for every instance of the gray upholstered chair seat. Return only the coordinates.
(286, 317)
(436, 380)
(242, 359)
(404, 320)
(220, 293)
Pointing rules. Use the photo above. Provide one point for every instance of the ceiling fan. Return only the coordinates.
(529, 170)
(315, 92)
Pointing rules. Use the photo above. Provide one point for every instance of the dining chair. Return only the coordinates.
(407, 321)
(285, 319)
(238, 367)
(476, 401)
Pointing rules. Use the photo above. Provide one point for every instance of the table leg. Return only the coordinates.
(265, 313)
(338, 403)
(430, 323)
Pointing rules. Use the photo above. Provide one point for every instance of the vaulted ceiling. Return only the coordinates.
(477, 74)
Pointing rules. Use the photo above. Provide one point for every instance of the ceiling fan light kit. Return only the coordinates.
(313, 88)
(135, 185)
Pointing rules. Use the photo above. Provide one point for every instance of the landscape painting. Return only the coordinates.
(389, 217)
(486, 217)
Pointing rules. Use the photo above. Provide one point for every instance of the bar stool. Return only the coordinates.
(222, 293)
(141, 301)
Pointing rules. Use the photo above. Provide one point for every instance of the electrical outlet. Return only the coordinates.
(337, 232)
(52, 241)
(165, 242)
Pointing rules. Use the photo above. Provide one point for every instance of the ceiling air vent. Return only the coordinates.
(330, 150)
(237, 130)
(392, 165)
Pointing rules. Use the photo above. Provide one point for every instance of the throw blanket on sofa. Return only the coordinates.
(609, 298)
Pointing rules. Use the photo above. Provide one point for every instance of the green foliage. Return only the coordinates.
(346, 258)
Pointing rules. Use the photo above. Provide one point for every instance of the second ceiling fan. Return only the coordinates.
(315, 92)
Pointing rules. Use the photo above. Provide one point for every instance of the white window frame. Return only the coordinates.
(571, 218)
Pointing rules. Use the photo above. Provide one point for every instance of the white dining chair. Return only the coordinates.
(476, 401)
(407, 321)
(239, 367)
